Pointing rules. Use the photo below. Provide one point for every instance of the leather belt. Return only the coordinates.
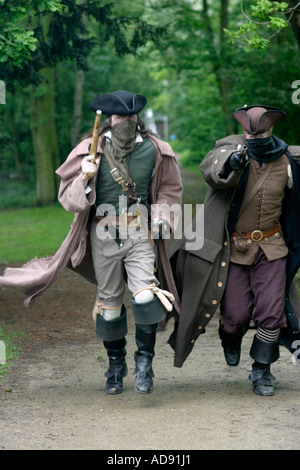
(256, 235)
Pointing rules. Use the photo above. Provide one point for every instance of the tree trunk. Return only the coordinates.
(13, 129)
(224, 77)
(77, 107)
(43, 128)
(78, 94)
(44, 137)
(219, 60)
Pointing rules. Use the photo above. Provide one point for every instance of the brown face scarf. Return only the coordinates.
(123, 137)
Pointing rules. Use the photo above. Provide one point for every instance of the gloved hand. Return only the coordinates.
(236, 163)
(160, 228)
(88, 167)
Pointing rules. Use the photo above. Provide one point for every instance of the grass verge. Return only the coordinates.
(9, 350)
(26, 233)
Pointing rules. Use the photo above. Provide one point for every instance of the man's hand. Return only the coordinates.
(88, 168)
(237, 162)
(160, 229)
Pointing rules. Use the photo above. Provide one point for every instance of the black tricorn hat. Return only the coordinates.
(120, 102)
(258, 118)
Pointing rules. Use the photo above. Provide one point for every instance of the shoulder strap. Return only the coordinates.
(126, 181)
(115, 172)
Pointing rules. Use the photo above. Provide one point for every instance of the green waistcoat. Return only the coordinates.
(141, 162)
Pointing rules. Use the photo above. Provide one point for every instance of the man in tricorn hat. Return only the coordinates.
(138, 156)
(250, 252)
(134, 175)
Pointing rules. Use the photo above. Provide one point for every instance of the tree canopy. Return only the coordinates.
(195, 60)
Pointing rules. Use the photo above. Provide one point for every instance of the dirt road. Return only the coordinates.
(54, 397)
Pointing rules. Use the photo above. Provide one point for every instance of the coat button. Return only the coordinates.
(214, 302)
(207, 315)
(200, 327)
(223, 264)
(220, 284)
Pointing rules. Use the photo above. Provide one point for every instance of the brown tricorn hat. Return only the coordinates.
(258, 119)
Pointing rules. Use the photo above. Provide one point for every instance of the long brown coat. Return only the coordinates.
(39, 274)
(201, 274)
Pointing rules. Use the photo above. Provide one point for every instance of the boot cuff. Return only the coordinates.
(114, 329)
(263, 351)
(147, 313)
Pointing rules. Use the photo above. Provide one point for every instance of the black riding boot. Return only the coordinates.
(117, 365)
(264, 354)
(262, 379)
(112, 333)
(146, 317)
(145, 340)
(232, 345)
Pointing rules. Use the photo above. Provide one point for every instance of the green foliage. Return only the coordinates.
(263, 8)
(173, 52)
(251, 32)
(62, 35)
(16, 45)
(277, 23)
(17, 42)
(257, 42)
(69, 36)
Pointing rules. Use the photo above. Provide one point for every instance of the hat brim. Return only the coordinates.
(120, 102)
(268, 117)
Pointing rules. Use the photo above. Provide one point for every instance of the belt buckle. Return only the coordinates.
(135, 222)
(257, 235)
(114, 172)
